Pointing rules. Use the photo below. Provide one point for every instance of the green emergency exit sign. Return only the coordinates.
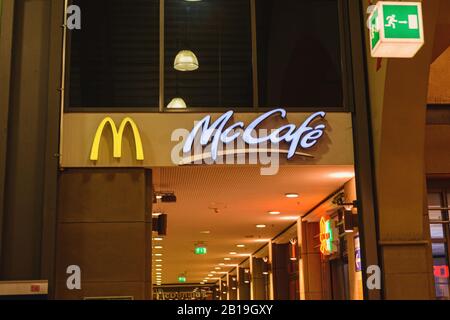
(200, 250)
(396, 29)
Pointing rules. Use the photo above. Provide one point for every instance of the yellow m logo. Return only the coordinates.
(117, 138)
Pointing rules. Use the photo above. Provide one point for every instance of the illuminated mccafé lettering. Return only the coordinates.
(117, 138)
(305, 136)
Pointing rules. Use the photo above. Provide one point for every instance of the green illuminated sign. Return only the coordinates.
(401, 21)
(200, 250)
(396, 29)
(182, 279)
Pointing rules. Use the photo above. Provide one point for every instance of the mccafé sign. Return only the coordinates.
(305, 136)
(222, 131)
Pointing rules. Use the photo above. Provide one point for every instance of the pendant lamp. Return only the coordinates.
(177, 103)
(186, 60)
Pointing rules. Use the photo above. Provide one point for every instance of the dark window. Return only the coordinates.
(299, 58)
(218, 32)
(114, 58)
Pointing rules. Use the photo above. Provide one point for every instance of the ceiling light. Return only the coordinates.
(213, 272)
(262, 240)
(158, 254)
(260, 226)
(158, 247)
(292, 195)
(240, 245)
(221, 264)
(158, 273)
(233, 253)
(158, 269)
(205, 232)
(158, 265)
(158, 260)
(342, 175)
(274, 213)
(218, 268)
(159, 197)
(292, 218)
(202, 283)
(158, 239)
(227, 259)
(177, 103)
(186, 61)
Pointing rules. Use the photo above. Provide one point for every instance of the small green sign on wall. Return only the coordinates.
(396, 29)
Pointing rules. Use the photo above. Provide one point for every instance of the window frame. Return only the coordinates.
(346, 61)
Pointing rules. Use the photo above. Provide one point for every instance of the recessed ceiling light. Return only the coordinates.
(158, 239)
(210, 275)
(205, 232)
(158, 265)
(158, 260)
(227, 259)
(158, 269)
(342, 175)
(221, 264)
(274, 213)
(217, 268)
(292, 195)
(158, 247)
(260, 226)
(158, 273)
(240, 245)
(233, 253)
(262, 240)
(293, 218)
(158, 254)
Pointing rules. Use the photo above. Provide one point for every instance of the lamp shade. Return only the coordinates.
(186, 61)
(177, 103)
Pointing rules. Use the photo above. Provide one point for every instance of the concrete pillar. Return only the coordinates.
(398, 95)
(104, 228)
(243, 288)
(280, 260)
(311, 264)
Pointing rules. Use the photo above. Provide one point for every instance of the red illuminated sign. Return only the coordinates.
(441, 272)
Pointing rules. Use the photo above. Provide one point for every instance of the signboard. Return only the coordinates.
(183, 293)
(146, 140)
(396, 29)
(200, 250)
(358, 265)
(327, 246)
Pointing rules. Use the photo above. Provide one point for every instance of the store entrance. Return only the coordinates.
(255, 237)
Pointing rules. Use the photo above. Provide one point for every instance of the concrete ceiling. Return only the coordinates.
(229, 202)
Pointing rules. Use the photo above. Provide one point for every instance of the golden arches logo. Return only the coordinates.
(117, 138)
